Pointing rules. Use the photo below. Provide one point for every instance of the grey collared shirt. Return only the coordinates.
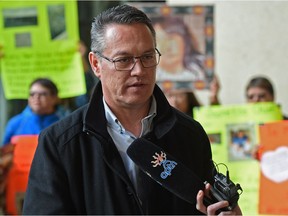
(123, 138)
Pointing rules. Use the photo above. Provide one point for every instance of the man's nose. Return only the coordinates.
(137, 67)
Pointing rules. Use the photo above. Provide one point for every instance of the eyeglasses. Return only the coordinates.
(39, 94)
(127, 63)
(257, 97)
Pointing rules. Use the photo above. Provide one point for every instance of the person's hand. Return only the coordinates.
(213, 208)
(257, 152)
(82, 48)
(1, 51)
(214, 90)
(6, 158)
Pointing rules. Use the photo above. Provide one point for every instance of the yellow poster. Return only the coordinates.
(233, 131)
(40, 39)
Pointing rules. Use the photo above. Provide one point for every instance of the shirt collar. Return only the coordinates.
(114, 123)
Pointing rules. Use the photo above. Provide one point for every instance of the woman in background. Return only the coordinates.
(260, 89)
(185, 101)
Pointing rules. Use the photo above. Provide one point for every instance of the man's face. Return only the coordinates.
(132, 88)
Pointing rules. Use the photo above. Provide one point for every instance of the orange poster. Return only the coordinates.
(17, 178)
(273, 193)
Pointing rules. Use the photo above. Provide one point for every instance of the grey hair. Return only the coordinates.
(121, 14)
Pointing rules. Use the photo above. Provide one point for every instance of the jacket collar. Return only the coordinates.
(95, 120)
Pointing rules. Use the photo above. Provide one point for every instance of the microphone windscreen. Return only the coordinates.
(165, 169)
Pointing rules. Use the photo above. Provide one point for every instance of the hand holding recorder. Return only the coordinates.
(183, 182)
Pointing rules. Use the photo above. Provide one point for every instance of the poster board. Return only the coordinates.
(40, 39)
(273, 193)
(222, 123)
(17, 177)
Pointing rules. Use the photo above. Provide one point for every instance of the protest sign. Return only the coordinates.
(233, 131)
(40, 39)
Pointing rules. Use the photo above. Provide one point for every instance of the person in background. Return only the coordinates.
(42, 110)
(185, 101)
(73, 103)
(81, 165)
(90, 79)
(260, 89)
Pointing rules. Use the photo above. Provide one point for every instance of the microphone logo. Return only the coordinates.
(168, 165)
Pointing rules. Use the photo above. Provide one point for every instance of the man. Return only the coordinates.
(81, 165)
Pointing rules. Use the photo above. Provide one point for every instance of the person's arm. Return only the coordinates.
(10, 129)
(1, 51)
(48, 189)
(83, 49)
(214, 90)
(6, 155)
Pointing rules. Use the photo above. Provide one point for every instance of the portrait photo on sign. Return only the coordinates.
(19, 16)
(185, 40)
(57, 22)
(241, 141)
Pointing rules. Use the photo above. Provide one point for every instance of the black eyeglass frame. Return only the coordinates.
(134, 57)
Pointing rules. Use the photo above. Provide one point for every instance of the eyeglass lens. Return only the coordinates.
(39, 94)
(127, 63)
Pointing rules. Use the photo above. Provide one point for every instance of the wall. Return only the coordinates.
(251, 38)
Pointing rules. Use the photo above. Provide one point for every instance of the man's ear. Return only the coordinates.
(94, 62)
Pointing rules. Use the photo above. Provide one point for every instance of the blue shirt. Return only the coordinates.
(28, 123)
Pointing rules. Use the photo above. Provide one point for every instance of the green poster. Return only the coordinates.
(40, 39)
(234, 133)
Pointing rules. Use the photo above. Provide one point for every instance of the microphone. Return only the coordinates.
(166, 170)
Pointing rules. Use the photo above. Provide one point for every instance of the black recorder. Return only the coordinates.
(178, 179)
(224, 189)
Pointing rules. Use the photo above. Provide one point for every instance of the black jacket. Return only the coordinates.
(77, 168)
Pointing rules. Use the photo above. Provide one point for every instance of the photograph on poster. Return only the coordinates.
(57, 23)
(19, 17)
(185, 40)
(23, 39)
(241, 141)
